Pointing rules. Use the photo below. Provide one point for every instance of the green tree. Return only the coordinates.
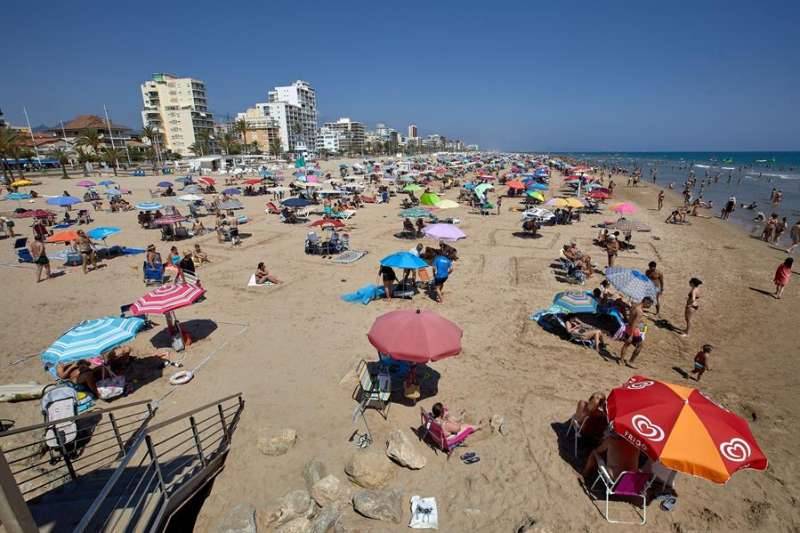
(84, 158)
(111, 157)
(229, 144)
(275, 146)
(91, 139)
(9, 143)
(241, 128)
(201, 141)
(255, 149)
(61, 155)
(154, 138)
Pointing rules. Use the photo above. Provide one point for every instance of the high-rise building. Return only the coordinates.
(294, 110)
(412, 131)
(3, 122)
(329, 140)
(261, 128)
(352, 135)
(178, 108)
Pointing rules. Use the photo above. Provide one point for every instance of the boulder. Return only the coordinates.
(329, 490)
(240, 519)
(402, 450)
(325, 521)
(369, 469)
(313, 471)
(296, 504)
(277, 444)
(298, 525)
(385, 505)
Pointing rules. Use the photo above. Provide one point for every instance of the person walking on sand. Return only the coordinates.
(612, 248)
(657, 277)
(701, 362)
(633, 333)
(40, 258)
(782, 276)
(794, 233)
(660, 199)
(692, 304)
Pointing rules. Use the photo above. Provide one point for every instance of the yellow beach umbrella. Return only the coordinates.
(574, 202)
(447, 204)
(21, 183)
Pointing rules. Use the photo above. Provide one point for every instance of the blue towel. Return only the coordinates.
(365, 294)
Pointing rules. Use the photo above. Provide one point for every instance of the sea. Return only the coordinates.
(749, 176)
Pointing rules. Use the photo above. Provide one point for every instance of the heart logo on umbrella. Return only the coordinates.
(736, 450)
(647, 429)
(638, 385)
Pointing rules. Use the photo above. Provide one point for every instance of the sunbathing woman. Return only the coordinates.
(582, 331)
(591, 416)
(80, 373)
(448, 424)
(263, 275)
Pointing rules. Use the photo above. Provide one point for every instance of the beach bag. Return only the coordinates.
(110, 387)
(424, 514)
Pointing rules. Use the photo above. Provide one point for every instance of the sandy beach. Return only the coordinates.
(292, 350)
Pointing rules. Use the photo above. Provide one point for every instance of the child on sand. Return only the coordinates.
(701, 361)
(782, 276)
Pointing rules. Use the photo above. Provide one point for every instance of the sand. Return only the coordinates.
(295, 360)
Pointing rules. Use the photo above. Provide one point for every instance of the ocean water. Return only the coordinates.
(749, 176)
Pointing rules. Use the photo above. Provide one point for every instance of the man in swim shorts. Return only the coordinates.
(633, 335)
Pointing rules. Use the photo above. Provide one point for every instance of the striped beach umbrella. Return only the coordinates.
(91, 338)
(576, 302)
(683, 429)
(632, 283)
(167, 298)
(149, 206)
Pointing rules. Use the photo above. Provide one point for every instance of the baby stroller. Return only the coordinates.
(60, 402)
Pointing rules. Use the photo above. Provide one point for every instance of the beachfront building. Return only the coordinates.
(329, 141)
(294, 109)
(3, 122)
(178, 109)
(412, 132)
(261, 128)
(352, 135)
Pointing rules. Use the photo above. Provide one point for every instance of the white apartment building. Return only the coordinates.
(412, 131)
(352, 134)
(294, 109)
(330, 140)
(178, 109)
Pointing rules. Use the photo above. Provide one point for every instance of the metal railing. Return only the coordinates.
(166, 464)
(102, 438)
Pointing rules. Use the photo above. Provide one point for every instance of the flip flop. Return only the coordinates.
(468, 455)
(471, 460)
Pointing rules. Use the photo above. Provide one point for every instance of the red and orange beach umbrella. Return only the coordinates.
(683, 429)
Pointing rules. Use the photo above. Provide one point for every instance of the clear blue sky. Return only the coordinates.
(562, 75)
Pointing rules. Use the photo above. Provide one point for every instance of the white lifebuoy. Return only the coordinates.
(181, 378)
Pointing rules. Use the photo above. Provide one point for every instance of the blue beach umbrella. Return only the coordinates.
(296, 202)
(165, 184)
(107, 183)
(231, 191)
(18, 196)
(91, 338)
(575, 302)
(185, 179)
(403, 260)
(230, 205)
(192, 189)
(416, 212)
(536, 186)
(113, 192)
(102, 232)
(632, 283)
(63, 201)
(149, 206)
(265, 173)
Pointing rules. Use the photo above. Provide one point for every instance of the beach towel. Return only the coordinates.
(349, 256)
(365, 294)
(252, 282)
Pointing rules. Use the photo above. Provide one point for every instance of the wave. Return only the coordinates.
(702, 166)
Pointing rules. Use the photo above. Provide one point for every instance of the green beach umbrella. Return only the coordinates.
(412, 187)
(536, 195)
(481, 189)
(429, 198)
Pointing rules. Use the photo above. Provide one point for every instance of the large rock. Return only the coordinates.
(325, 521)
(401, 449)
(240, 519)
(369, 469)
(298, 525)
(276, 444)
(313, 471)
(296, 504)
(329, 490)
(385, 505)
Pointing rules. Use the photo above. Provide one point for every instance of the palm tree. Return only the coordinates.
(91, 138)
(297, 130)
(8, 140)
(111, 157)
(228, 144)
(201, 139)
(255, 148)
(152, 135)
(150, 155)
(275, 146)
(60, 155)
(240, 127)
(84, 158)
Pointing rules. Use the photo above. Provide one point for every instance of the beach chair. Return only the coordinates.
(21, 248)
(154, 274)
(272, 209)
(312, 244)
(60, 402)
(374, 388)
(435, 435)
(627, 484)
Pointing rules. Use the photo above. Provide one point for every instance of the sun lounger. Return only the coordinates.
(626, 484)
(374, 388)
(434, 433)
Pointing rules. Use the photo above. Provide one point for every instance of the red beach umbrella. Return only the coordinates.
(328, 222)
(415, 336)
(252, 181)
(515, 184)
(598, 195)
(167, 298)
(683, 429)
(206, 180)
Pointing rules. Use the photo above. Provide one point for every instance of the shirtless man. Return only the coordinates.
(633, 335)
(657, 278)
(660, 196)
(612, 248)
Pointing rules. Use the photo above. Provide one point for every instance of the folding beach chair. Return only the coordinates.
(435, 435)
(575, 427)
(60, 402)
(21, 248)
(374, 388)
(154, 274)
(627, 484)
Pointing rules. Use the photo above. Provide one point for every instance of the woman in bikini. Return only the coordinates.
(446, 422)
(692, 304)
